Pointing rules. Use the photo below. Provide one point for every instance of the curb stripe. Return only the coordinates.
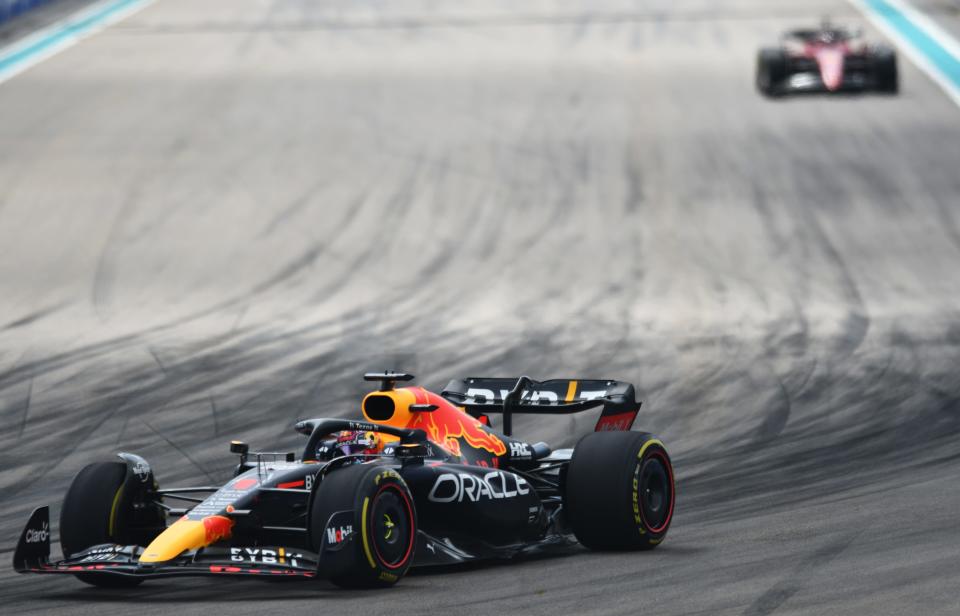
(33, 49)
(929, 46)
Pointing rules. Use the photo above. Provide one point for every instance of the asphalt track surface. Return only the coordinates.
(216, 215)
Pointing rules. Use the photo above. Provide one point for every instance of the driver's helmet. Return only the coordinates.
(353, 442)
(828, 32)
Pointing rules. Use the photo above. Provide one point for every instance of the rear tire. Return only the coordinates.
(383, 521)
(771, 71)
(86, 515)
(620, 492)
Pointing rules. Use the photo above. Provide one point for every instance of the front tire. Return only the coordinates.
(89, 514)
(885, 70)
(620, 491)
(375, 502)
(771, 71)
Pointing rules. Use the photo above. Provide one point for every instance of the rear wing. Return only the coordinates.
(480, 396)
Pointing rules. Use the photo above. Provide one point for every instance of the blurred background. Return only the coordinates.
(215, 216)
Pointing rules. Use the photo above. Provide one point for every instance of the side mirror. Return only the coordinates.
(239, 447)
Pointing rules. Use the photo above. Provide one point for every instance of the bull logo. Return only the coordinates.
(446, 425)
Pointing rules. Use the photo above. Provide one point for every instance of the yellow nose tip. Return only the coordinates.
(185, 535)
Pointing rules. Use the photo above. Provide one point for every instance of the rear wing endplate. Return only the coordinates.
(480, 396)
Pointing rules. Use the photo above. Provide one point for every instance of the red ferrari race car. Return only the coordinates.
(422, 480)
(826, 59)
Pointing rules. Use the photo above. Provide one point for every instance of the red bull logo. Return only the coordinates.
(217, 527)
(447, 425)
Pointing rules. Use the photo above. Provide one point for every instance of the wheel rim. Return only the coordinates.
(656, 493)
(392, 527)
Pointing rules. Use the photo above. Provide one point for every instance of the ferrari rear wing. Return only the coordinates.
(480, 396)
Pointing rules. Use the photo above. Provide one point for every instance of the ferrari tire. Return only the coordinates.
(379, 546)
(88, 512)
(885, 70)
(771, 71)
(620, 492)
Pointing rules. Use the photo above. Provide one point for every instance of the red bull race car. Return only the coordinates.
(422, 480)
(826, 59)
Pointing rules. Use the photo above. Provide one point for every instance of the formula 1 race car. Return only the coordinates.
(422, 481)
(826, 59)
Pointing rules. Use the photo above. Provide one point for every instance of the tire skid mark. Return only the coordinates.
(213, 414)
(293, 208)
(34, 316)
(103, 274)
(26, 408)
(45, 467)
(777, 417)
(181, 450)
(781, 592)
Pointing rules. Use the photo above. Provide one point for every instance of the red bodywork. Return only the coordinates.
(830, 57)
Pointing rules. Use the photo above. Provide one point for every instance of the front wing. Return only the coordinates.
(811, 82)
(33, 553)
(121, 560)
